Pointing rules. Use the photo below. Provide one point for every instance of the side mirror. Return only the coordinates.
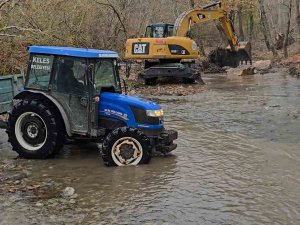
(128, 69)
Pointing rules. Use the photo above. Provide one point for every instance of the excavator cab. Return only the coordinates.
(159, 30)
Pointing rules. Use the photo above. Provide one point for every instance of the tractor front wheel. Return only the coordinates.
(126, 147)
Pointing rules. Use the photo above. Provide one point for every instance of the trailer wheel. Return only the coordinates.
(126, 147)
(32, 129)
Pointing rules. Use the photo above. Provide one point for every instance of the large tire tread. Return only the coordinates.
(51, 119)
(113, 136)
(59, 123)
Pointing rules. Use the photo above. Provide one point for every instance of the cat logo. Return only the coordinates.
(140, 48)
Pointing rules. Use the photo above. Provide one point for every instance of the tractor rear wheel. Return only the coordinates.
(126, 147)
(33, 129)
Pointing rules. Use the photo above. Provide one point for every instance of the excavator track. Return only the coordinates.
(187, 72)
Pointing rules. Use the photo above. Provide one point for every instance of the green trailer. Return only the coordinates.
(10, 86)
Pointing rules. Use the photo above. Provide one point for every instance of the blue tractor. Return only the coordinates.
(76, 94)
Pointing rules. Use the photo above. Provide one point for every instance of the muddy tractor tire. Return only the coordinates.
(33, 129)
(126, 147)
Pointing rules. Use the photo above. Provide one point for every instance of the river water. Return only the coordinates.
(237, 162)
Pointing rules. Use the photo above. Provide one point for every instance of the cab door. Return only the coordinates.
(69, 85)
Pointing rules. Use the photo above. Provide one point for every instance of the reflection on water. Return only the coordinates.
(237, 162)
(258, 106)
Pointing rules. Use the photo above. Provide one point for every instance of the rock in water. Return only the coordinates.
(263, 65)
(68, 192)
(247, 71)
(241, 71)
(294, 70)
(39, 204)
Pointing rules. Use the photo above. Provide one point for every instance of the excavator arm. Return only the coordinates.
(189, 18)
(220, 12)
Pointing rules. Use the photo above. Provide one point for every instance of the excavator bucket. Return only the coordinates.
(244, 52)
(226, 57)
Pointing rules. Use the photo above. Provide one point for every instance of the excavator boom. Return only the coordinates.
(186, 20)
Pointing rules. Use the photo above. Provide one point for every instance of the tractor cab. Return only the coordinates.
(73, 77)
(70, 70)
(159, 30)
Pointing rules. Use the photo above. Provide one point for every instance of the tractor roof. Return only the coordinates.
(75, 52)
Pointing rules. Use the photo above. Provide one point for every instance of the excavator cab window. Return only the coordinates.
(159, 31)
(170, 30)
(148, 33)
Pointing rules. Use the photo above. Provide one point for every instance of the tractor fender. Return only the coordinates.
(26, 93)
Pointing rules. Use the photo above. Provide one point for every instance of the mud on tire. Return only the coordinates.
(127, 144)
(33, 129)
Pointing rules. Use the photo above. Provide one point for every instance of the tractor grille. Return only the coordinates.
(142, 118)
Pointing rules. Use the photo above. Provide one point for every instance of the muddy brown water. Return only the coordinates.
(237, 162)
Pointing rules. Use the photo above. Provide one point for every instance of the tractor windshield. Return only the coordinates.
(105, 75)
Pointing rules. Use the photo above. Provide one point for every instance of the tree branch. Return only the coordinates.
(3, 2)
(20, 29)
(7, 35)
(117, 14)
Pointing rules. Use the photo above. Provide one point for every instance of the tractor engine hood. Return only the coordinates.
(125, 100)
(123, 108)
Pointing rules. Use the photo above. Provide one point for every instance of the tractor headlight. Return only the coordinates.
(155, 113)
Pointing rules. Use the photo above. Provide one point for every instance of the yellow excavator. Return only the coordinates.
(168, 50)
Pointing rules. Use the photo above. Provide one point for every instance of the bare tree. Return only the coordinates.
(266, 28)
(240, 18)
(117, 14)
(3, 2)
(298, 14)
(192, 3)
(251, 24)
(287, 32)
